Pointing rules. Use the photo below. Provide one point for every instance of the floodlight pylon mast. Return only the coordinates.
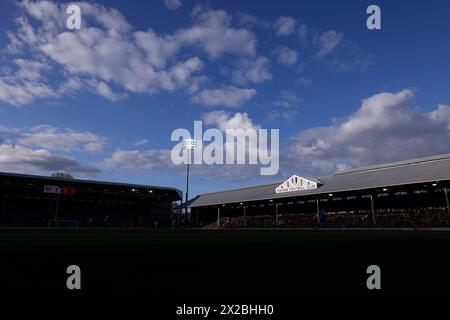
(188, 144)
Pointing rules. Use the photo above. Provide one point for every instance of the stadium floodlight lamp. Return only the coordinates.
(434, 184)
(330, 194)
(188, 144)
(384, 189)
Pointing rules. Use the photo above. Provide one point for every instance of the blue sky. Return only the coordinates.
(102, 102)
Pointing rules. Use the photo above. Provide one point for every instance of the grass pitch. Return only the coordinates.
(221, 266)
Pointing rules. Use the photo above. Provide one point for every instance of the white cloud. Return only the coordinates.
(158, 48)
(104, 90)
(140, 61)
(387, 127)
(30, 150)
(284, 26)
(123, 66)
(16, 158)
(157, 160)
(172, 4)
(140, 143)
(134, 160)
(19, 92)
(54, 139)
(255, 71)
(286, 55)
(53, 16)
(328, 42)
(237, 172)
(46, 12)
(109, 18)
(213, 33)
(224, 120)
(24, 34)
(30, 69)
(231, 97)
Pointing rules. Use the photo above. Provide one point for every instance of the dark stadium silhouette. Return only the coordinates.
(406, 194)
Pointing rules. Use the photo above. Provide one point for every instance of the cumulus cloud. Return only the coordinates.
(328, 42)
(172, 4)
(24, 34)
(158, 49)
(160, 159)
(145, 61)
(38, 149)
(134, 160)
(55, 139)
(151, 160)
(19, 92)
(124, 65)
(23, 85)
(286, 55)
(255, 71)
(387, 127)
(30, 69)
(284, 26)
(231, 97)
(16, 158)
(140, 61)
(224, 120)
(238, 123)
(104, 90)
(212, 31)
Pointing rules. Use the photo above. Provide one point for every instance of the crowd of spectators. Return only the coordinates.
(425, 217)
(413, 217)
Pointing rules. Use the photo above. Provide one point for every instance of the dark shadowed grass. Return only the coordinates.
(224, 265)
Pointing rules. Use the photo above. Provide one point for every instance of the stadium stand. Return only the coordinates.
(60, 202)
(406, 194)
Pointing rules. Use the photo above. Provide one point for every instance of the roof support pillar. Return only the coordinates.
(446, 199)
(276, 214)
(57, 209)
(218, 217)
(318, 212)
(245, 215)
(373, 209)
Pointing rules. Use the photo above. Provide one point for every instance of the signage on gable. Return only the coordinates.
(296, 183)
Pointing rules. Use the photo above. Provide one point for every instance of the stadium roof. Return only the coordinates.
(60, 180)
(421, 170)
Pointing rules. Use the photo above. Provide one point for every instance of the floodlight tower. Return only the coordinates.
(188, 144)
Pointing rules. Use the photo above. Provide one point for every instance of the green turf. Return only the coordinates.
(224, 264)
